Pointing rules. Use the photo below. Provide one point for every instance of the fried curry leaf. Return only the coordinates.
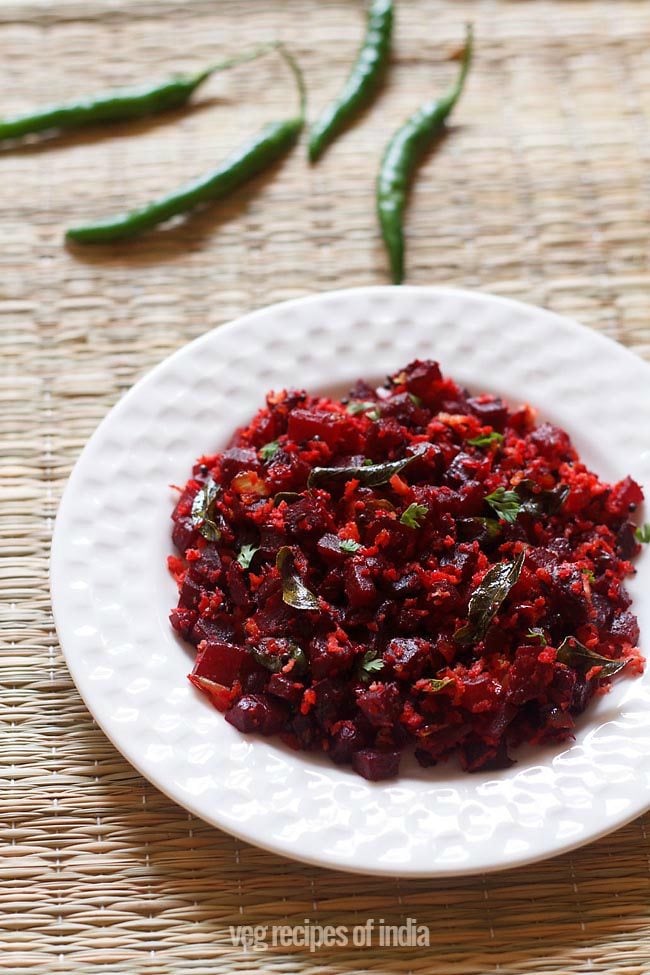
(487, 598)
(203, 511)
(369, 474)
(287, 496)
(294, 591)
(544, 503)
(275, 662)
(473, 527)
(435, 684)
(574, 654)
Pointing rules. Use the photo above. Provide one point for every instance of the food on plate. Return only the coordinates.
(410, 567)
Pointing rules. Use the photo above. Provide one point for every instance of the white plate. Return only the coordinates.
(112, 592)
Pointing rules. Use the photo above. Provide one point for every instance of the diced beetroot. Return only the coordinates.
(407, 658)
(345, 739)
(529, 675)
(627, 545)
(481, 693)
(305, 730)
(337, 430)
(255, 682)
(359, 586)
(190, 593)
(624, 497)
(423, 379)
(284, 687)
(328, 658)
(329, 549)
(257, 712)
(237, 587)
(333, 699)
(552, 443)
(625, 629)
(385, 439)
(213, 630)
(490, 410)
(381, 704)
(238, 459)
(207, 568)
(404, 408)
(220, 662)
(288, 472)
(466, 467)
(183, 621)
(184, 534)
(309, 516)
(183, 507)
(376, 765)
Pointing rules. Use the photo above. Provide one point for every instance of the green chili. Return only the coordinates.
(402, 155)
(362, 81)
(121, 104)
(269, 145)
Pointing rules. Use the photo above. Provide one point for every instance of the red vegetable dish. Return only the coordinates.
(409, 568)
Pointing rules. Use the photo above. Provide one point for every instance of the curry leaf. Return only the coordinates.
(574, 654)
(287, 496)
(275, 662)
(203, 511)
(474, 527)
(544, 502)
(294, 591)
(246, 554)
(487, 598)
(369, 474)
(434, 685)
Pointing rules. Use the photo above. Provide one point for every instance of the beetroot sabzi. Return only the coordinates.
(409, 567)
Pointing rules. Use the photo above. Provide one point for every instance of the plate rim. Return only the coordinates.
(57, 548)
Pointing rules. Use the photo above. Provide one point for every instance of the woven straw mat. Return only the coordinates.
(541, 191)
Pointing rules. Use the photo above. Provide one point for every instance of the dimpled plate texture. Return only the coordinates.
(112, 593)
